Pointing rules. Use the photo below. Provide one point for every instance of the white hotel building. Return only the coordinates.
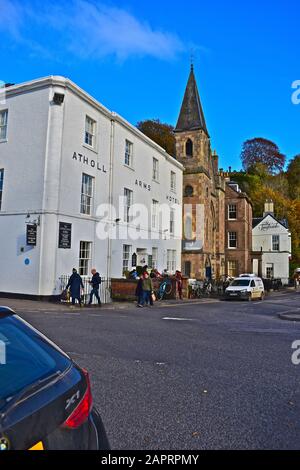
(272, 238)
(62, 157)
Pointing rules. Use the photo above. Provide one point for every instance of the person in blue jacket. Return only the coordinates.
(75, 285)
(95, 283)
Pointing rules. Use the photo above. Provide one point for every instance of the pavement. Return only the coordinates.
(200, 375)
(44, 306)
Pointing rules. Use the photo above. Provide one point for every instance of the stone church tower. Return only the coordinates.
(203, 253)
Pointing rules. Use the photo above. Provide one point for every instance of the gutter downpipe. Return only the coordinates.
(110, 196)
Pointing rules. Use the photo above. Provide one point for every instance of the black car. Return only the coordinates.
(45, 398)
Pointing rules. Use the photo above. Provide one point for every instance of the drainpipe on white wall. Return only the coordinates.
(110, 194)
(51, 189)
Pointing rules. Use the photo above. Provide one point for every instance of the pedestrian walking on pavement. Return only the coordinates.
(139, 293)
(297, 280)
(95, 283)
(179, 283)
(75, 285)
(147, 290)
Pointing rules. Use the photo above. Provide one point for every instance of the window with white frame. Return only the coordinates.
(128, 200)
(127, 249)
(154, 258)
(275, 243)
(3, 124)
(1, 186)
(232, 211)
(173, 181)
(87, 188)
(128, 153)
(155, 214)
(85, 254)
(172, 222)
(90, 132)
(232, 240)
(232, 268)
(171, 261)
(155, 169)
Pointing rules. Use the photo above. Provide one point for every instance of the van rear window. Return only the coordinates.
(25, 357)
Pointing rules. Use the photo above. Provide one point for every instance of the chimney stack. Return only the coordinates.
(215, 159)
(269, 208)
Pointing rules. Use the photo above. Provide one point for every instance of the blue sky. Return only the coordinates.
(134, 57)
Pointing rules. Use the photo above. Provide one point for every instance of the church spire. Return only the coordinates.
(191, 116)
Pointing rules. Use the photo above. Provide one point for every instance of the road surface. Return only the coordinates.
(213, 375)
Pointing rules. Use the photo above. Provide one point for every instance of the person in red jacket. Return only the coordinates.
(179, 283)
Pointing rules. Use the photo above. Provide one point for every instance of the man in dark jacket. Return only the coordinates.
(139, 293)
(95, 283)
(75, 285)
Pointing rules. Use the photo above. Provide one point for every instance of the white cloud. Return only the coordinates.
(10, 17)
(89, 29)
(114, 31)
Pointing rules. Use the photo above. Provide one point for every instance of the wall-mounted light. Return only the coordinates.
(33, 222)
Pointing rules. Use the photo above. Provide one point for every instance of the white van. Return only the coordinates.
(246, 287)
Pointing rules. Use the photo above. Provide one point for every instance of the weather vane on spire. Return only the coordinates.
(192, 58)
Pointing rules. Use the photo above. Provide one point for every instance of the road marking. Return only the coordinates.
(178, 319)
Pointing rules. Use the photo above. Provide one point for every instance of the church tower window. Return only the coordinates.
(189, 191)
(189, 148)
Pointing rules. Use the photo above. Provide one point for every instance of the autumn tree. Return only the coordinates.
(262, 153)
(161, 133)
(293, 176)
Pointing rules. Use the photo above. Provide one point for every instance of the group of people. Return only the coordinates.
(297, 279)
(144, 291)
(153, 273)
(76, 287)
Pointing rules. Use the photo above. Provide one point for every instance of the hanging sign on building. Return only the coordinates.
(65, 235)
(31, 234)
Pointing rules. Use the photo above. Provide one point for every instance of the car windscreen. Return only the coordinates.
(25, 358)
(240, 283)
